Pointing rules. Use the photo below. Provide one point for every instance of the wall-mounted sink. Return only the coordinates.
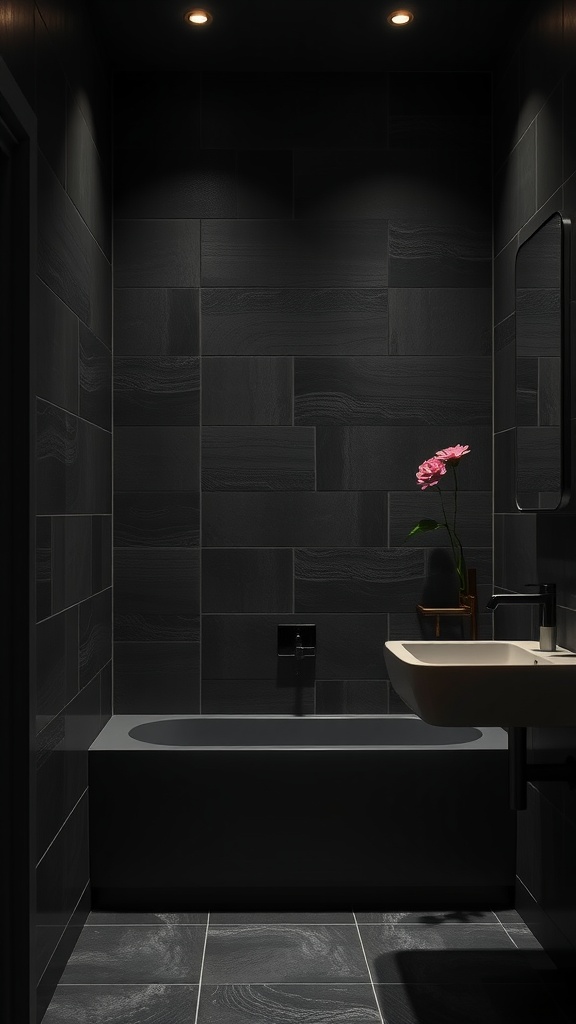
(486, 682)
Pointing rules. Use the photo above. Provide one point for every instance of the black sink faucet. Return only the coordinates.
(546, 598)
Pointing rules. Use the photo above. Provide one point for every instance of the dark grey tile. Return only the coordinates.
(156, 594)
(325, 1004)
(48, 982)
(121, 1003)
(315, 954)
(290, 917)
(549, 145)
(95, 635)
(115, 917)
(264, 183)
(163, 390)
(61, 778)
(352, 697)
(255, 697)
(126, 954)
(515, 189)
(504, 281)
(515, 550)
(387, 458)
(156, 519)
(156, 458)
(504, 374)
(285, 253)
(71, 560)
(247, 390)
(428, 918)
(440, 321)
(95, 376)
(445, 255)
(246, 646)
(156, 321)
(378, 391)
(474, 517)
(70, 261)
(141, 108)
(56, 350)
(87, 180)
(415, 93)
(73, 464)
(106, 693)
(476, 954)
(43, 567)
(247, 580)
(440, 129)
(476, 1003)
(422, 184)
(357, 580)
(157, 678)
(291, 518)
(295, 321)
(57, 664)
(170, 183)
(101, 552)
(156, 253)
(258, 458)
(61, 877)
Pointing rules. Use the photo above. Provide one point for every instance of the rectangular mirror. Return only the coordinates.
(542, 366)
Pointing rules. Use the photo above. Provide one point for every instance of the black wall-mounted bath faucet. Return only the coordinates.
(546, 599)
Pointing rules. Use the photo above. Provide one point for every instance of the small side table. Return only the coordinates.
(468, 608)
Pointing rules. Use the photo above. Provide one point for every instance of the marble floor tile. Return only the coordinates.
(123, 1004)
(426, 917)
(129, 954)
(284, 953)
(288, 1004)
(222, 917)
(136, 918)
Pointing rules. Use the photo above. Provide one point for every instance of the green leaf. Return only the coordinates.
(425, 526)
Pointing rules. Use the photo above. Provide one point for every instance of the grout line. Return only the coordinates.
(202, 971)
(63, 932)
(66, 819)
(81, 419)
(369, 971)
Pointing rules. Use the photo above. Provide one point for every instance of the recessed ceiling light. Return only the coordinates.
(198, 17)
(400, 17)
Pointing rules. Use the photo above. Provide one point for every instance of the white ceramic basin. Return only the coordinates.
(485, 682)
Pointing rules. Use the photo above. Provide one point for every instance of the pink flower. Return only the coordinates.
(454, 454)
(430, 472)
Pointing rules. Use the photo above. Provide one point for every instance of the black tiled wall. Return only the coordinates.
(50, 51)
(535, 175)
(302, 316)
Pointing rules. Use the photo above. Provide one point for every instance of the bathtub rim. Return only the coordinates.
(115, 735)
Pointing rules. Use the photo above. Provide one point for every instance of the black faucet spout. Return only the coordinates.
(546, 599)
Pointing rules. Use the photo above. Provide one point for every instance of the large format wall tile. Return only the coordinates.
(383, 391)
(295, 254)
(258, 458)
(95, 635)
(56, 350)
(440, 321)
(250, 390)
(247, 580)
(156, 594)
(156, 253)
(57, 665)
(474, 516)
(365, 580)
(387, 458)
(73, 464)
(156, 678)
(155, 519)
(171, 183)
(95, 380)
(255, 697)
(161, 390)
(156, 458)
(294, 321)
(156, 322)
(447, 255)
(293, 519)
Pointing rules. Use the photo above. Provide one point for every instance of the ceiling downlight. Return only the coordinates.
(402, 17)
(198, 17)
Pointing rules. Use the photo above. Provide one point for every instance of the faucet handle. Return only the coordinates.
(544, 588)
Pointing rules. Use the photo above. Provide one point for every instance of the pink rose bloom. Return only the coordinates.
(430, 472)
(454, 454)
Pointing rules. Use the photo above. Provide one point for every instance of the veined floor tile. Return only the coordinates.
(288, 1004)
(282, 917)
(427, 917)
(285, 953)
(135, 918)
(130, 954)
(123, 1004)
